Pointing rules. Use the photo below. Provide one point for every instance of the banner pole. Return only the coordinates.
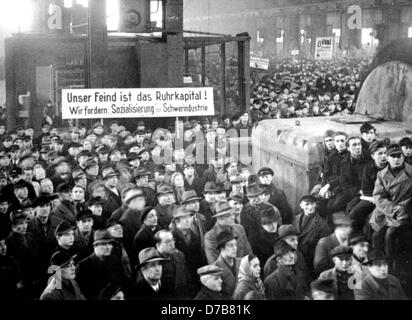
(177, 127)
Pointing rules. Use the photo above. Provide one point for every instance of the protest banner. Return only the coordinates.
(324, 48)
(259, 63)
(136, 103)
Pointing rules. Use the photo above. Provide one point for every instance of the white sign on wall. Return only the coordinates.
(324, 48)
(259, 63)
(136, 103)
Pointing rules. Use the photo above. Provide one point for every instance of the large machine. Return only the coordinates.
(72, 48)
(293, 147)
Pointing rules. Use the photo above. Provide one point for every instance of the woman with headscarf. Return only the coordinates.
(249, 279)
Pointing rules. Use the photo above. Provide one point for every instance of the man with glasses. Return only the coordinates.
(175, 276)
(63, 285)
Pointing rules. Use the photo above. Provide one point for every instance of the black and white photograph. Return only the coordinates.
(205, 154)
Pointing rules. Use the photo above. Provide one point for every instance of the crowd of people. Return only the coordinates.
(93, 214)
(307, 88)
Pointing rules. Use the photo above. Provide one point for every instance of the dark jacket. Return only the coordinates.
(229, 276)
(141, 290)
(208, 211)
(285, 284)
(311, 230)
(279, 200)
(85, 248)
(249, 219)
(65, 211)
(372, 290)
(164, 215)
(144, 238)
(94, 274)
(197, 185)
(323, 260)
(131, 225)
(350, 178)
(207, 294)
(194, 255)
(262, 245)
(44, 239)
(9, 277)
(176, 277)
(370, 171)
(331, 173)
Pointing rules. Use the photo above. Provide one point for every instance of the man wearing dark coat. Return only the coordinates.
(277, 196)
(131, 222)
(175, 274)
(148, 285)
(211, 279)
(20, 247)
(191, 180)
(65, 210)
(110, 180)
(9, 273)
(286, 282)
(83, 235)
(188, 243)
(100, 268)
(42, 230)
(311, 227)
(166, 203)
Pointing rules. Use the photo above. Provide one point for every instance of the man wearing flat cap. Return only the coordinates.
(148, 284)
(311, 227)
(277, 196)
(20, 246)
(83, 235)
(225, 220)
(249, 217)
(360, 247)
(392, 195)
(63, 285)
(340, 236)
(211, 279)
(342, 274)
(376, 282)
(285, 283)
(101, 267)
(228, 261)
